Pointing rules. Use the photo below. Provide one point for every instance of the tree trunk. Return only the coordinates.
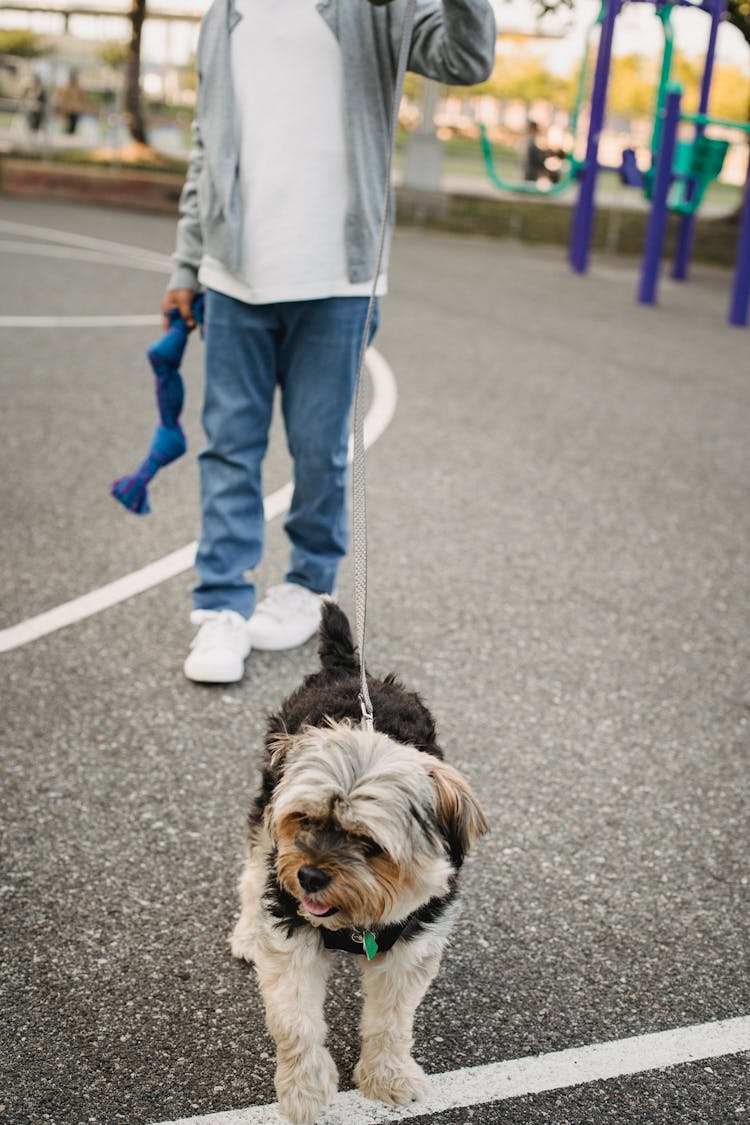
(133, 103)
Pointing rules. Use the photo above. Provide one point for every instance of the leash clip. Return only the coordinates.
(367, 719)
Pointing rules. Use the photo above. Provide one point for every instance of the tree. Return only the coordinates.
(631, 86)
(113, 53)
(133, 102)
(522, 75)
(22, 44)
(739, 16)
(729, 93)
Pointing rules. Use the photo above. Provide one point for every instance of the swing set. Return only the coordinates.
(573, 165)
(683, 169)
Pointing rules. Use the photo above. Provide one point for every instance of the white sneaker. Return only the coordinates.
(288, 616)
(219, 648)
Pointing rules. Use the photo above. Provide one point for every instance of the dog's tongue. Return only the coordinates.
(316, 908)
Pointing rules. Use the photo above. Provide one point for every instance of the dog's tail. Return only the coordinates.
(337, 651)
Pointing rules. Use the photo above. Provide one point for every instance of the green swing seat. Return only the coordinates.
(696, 163)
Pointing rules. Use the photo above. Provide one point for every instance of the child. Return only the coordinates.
(280, 216)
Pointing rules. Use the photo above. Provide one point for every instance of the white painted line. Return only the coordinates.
(497, 1082)
(68, 238)
(377, 421)
(102, 598)
(71, 253)
(109, 320)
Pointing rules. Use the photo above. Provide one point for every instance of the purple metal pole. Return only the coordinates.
(740, 303)
(656, 228)
(686, 232)
(583, 218)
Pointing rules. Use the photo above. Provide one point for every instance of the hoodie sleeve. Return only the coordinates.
(189, 249)
(452, 42)
(188, 253)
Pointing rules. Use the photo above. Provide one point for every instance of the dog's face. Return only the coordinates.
(366, 829)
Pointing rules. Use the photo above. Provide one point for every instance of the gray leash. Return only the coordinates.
(359, 490)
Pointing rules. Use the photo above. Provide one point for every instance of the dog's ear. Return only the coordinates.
(278, 745)
(459, 815)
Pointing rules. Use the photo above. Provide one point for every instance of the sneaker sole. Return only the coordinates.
(207, 677)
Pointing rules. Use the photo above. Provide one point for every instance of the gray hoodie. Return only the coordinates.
(452, 42)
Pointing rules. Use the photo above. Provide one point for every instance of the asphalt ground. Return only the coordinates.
(558, 530)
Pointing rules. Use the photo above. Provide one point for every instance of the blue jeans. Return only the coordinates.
(310, 349)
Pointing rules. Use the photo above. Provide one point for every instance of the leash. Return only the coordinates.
(359, 484)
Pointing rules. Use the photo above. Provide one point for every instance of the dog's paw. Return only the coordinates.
(391, 1079)
(306, 1086)
(241, 942)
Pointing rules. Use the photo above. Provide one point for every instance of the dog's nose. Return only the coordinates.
(312, 879)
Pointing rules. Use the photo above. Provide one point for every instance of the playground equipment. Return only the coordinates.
(680, 170)
(665, 176)
(697, 162)
(573, 166)
(524, 187)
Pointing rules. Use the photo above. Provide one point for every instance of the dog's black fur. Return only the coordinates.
(333, 693)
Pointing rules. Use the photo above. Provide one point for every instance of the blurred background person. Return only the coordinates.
(536, 156)
(70, 103)
(36, 104)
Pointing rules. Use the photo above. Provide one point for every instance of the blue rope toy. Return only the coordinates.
(169, 441)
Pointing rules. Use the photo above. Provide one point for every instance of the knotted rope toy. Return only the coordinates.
(169, 441)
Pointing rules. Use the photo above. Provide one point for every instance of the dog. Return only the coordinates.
(355, 842)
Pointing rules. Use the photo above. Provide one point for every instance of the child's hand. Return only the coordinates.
(182, 300)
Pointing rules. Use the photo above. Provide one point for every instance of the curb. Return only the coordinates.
(617, 230)
(156, 192)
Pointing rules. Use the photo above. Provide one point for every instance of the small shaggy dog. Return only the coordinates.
(355, 842)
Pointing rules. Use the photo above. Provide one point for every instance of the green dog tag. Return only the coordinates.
(371, 946)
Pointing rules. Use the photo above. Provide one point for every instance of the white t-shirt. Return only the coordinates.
(288, 92)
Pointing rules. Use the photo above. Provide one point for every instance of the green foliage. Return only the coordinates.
(525, 77)
(632, 86)
(24, 44)
(730, 94)
(634, 78)
(412, 86)
(113, 53)
(189, 75)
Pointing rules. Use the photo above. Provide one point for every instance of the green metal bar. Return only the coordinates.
(665, 16)
(574, 166)
(522, 187)
(583, 72)
(705, 119)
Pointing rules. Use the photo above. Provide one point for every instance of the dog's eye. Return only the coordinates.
(370, 847)
(304, 827)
